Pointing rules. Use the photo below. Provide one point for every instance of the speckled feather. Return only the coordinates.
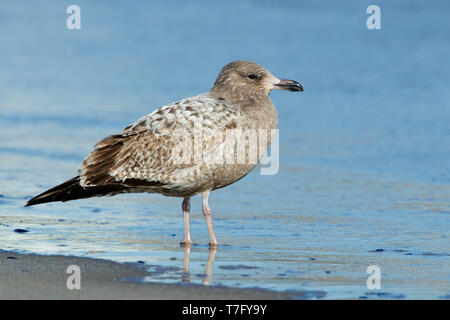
(141, 157)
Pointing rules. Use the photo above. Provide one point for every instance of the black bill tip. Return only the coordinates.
(289, 85)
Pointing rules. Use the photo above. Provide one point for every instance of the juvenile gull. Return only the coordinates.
(145, 157)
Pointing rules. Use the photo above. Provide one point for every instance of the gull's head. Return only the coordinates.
(249, 78)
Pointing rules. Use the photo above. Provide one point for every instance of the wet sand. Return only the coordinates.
(362, 177)
(30, 276)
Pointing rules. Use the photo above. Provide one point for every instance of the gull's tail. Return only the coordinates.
(72, 190)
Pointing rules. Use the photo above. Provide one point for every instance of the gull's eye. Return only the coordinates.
(252, 76)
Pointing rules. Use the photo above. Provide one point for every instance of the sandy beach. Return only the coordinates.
(30, 276)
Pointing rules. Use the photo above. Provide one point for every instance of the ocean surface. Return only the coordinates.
(364, 174)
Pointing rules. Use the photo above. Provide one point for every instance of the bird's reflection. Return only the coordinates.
(208, 270)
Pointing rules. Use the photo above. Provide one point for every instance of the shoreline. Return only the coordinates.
(32, 276)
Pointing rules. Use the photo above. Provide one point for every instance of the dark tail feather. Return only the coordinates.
(72, 190)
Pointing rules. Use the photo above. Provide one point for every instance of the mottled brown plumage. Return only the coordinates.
(181, 149)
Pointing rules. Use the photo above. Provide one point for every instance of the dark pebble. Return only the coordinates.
(21, 230)
(11, 258)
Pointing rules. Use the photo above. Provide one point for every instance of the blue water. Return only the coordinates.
(364, 173)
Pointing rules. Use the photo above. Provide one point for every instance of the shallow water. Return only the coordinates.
(364, 173)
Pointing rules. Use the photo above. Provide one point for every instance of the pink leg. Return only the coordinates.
(187, 231)
(207, 213)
